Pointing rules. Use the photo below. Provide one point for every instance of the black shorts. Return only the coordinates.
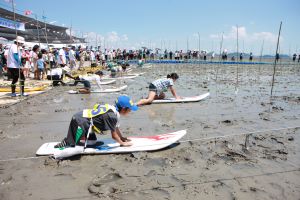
(86, 84)
(152, 88)
(54, 77)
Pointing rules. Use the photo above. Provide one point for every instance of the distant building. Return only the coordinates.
(55, 34)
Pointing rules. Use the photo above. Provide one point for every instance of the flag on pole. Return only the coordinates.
(28, 12)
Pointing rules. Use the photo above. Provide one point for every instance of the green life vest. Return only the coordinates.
(97, 110)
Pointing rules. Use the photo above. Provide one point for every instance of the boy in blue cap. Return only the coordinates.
(100, 118)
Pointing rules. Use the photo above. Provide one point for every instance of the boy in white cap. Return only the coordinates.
(101, 118)
(14, 65)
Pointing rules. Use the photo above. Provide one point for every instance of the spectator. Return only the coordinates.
(72, 58)
(171, 55)
(26, 57)
(61, 59)
(51, 59)
(34, 58)
(41, 66)
(294, 57)
(1, 59)
(82, 56)
(14, 65)
(277, 57)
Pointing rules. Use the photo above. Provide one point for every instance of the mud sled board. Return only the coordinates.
(184, 99)
(108, 146)
(109, 90)
(107, 82)
(120, 77)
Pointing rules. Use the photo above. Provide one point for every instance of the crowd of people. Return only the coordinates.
(37, 62)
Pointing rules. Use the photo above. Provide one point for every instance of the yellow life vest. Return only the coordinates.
(97, 110)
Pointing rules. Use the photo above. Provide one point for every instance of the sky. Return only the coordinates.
(176, 24)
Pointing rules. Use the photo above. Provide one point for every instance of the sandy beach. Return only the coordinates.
(217, 159)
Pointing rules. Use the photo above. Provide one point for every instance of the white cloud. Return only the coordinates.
(93, 38)
(124, 37)
(267, 36)
(112, 37)
(250, 37)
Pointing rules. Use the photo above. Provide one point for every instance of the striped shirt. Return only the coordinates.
(163, 84)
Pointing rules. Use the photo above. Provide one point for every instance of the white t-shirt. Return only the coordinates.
(71, 55)
(11, 61)
(56, 71)
(93, 78)
(51, 57)
(92, 56)
(62, 54)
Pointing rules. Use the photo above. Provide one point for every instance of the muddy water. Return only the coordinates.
(259, 166)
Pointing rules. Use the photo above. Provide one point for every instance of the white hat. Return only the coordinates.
(20, 39)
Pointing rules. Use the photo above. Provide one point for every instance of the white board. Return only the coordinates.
(120, 77)
(107, 82)
(146, 66)
(108, 145)
(136, 74)
(184, 99)
(108, 90)
(127, 70)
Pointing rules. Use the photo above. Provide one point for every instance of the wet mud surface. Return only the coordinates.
(217, 159)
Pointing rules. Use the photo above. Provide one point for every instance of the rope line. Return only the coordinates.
(181, 141)
(239, 134)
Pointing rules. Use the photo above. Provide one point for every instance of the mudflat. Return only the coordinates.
(241, 143)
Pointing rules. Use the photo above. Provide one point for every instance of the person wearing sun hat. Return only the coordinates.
(103, 117)
(14, 65)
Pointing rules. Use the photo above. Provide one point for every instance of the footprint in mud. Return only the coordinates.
(106, 179)
(155, 162)
(155, 193)
(59, 100)
(264, 116)
(277, 108)
(228, 122)
(60, 110)
(104, 185)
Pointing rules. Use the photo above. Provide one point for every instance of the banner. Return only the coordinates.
(11, 24)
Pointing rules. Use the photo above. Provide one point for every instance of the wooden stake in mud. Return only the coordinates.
(220, 56)
(274, 70)
(261, 54)
(37, 28)
(237, 56)
(46, 36)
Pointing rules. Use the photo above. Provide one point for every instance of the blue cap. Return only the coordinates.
(124, 101)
